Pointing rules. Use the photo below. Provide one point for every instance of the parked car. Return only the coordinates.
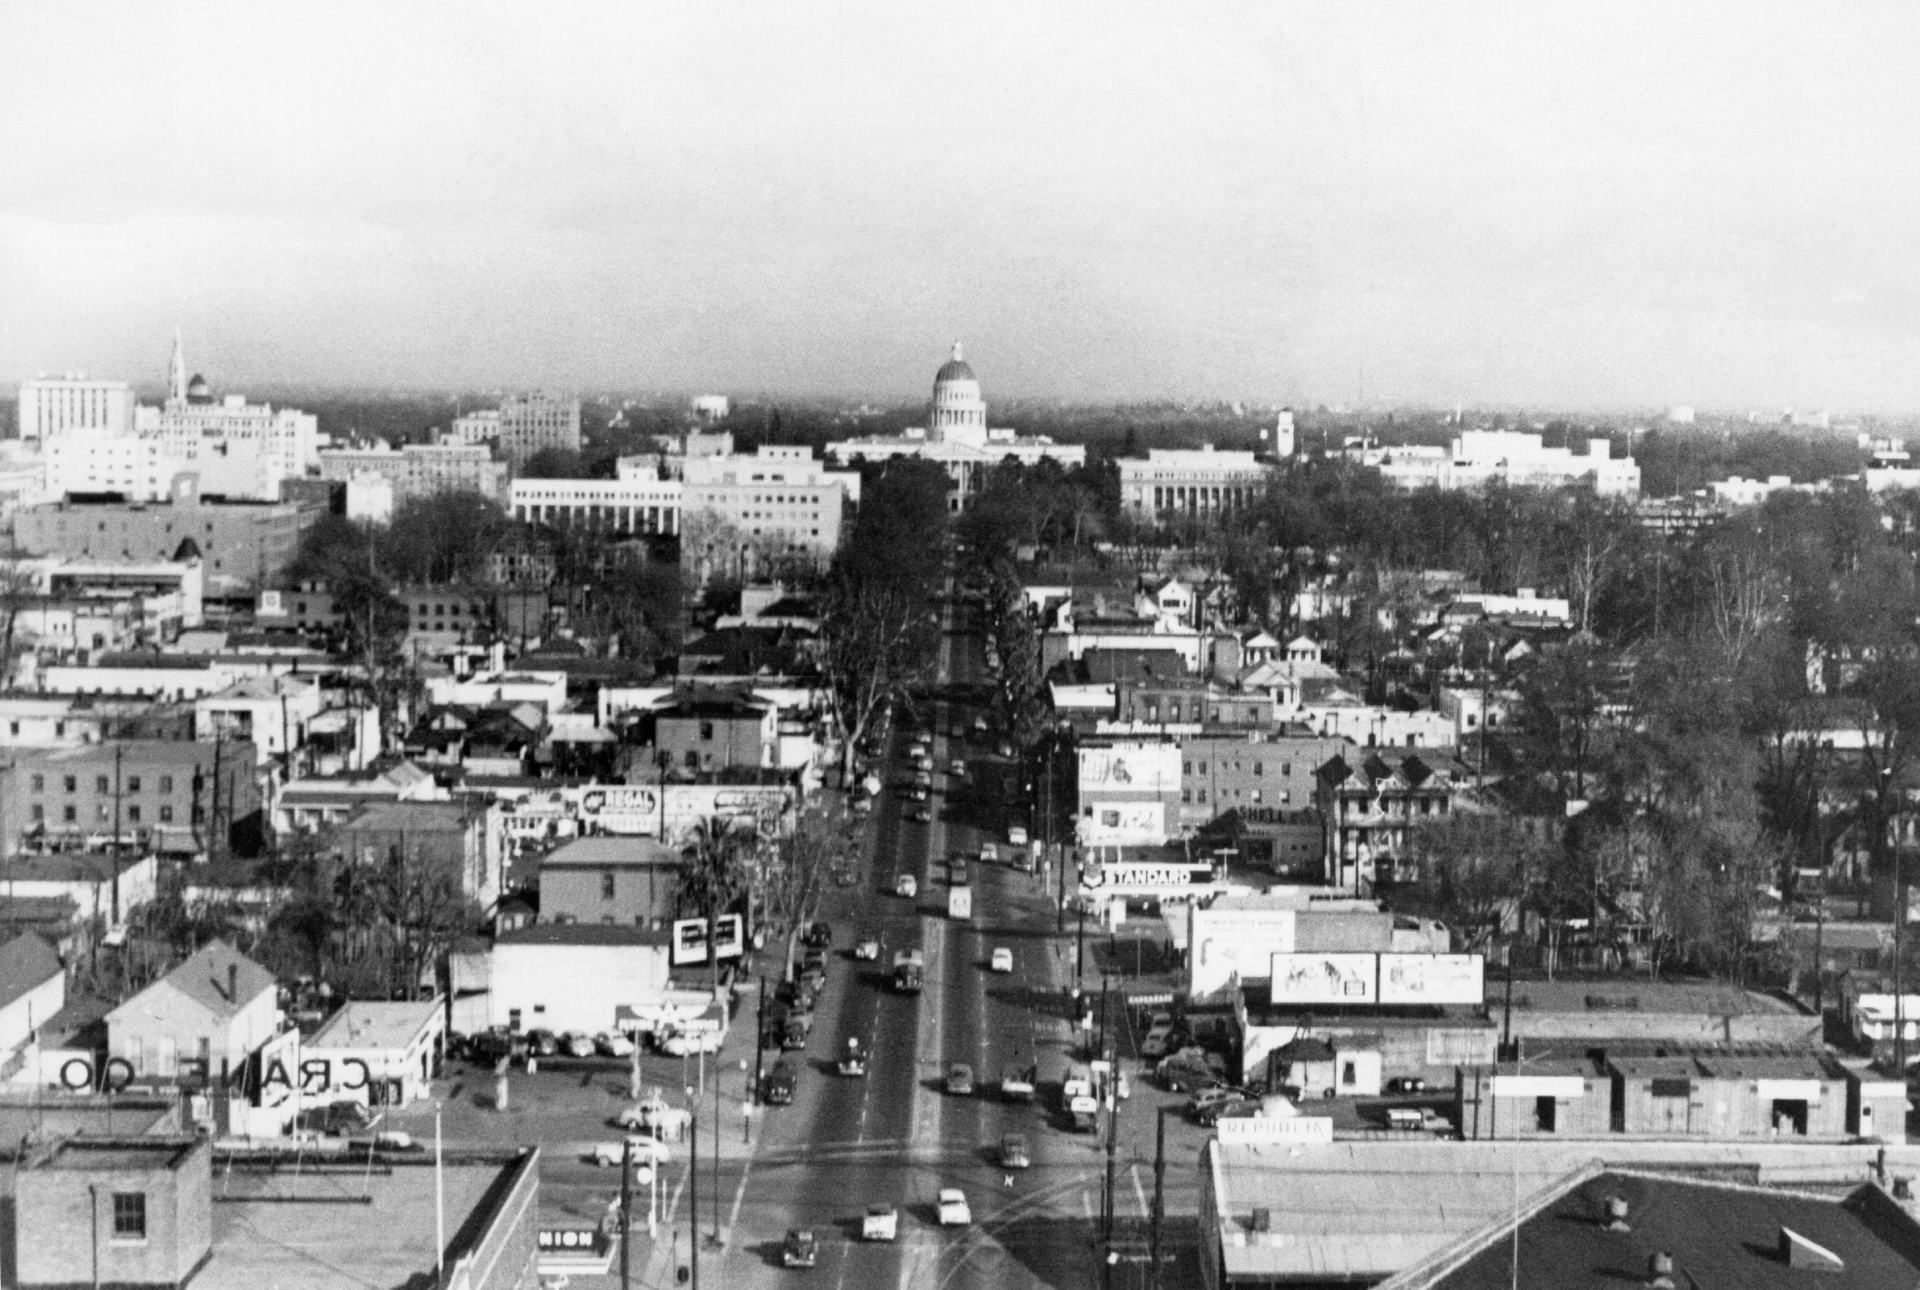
(1159, 1036)
(646, 1150)
(680, 1043)
(1001, 960)
(542, 1043)
(957, 767)
(800, 1250)
(613, 1043)
(1214, 1110)
(1014, 1153)
(867, 951)
(959, 1080)
(1016, 835)
(778, 1089)
(578, 1045)
(906, 885)
(1406, 1084)
(880, 1223)
(921, 815)
(952, 1207)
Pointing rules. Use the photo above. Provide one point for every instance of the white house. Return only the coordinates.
(576, 977)
(216, 1008)
(379, 1053)
(272, 713)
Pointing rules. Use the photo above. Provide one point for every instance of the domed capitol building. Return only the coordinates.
(956, 435)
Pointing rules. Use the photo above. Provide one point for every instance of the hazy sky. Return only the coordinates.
(1544, 203)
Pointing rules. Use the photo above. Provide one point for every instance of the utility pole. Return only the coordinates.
(626, 1212)
(117, 750)
(759, 1039)
(1159, 1190)
(693, 1191)
(1106, 1237)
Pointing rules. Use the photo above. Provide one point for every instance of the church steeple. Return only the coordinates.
(177, 372)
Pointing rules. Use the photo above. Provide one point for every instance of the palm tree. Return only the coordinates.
(713, 870)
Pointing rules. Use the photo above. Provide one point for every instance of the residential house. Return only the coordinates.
(461, 838)
(629, 881)
(202, 1020)
(270, 713)
(1373, 801)
(707, 730)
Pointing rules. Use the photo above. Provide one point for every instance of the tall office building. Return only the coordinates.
(530, 423)
(52, 406)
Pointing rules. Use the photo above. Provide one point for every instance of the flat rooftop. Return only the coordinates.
(336, 1229)
(363, 1023)
(1633, 995)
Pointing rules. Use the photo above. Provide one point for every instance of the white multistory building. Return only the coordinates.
(1192, 481)
(957, 437)
(421, 469)
(51, 406)
(1481, 457)
(94, 440)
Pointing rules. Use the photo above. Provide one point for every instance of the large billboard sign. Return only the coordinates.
(1149, 770)
(1235, 942)
(1106, 824)
(1432, 978)
(1325, 978)
(689, 941)
(629, 810)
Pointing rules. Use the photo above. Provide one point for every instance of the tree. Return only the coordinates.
(713, 867)
(1475, 869)
(879, 608)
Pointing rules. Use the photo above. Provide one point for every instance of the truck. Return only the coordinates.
(960, 901)
(909, 971)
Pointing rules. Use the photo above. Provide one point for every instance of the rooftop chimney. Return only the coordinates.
(233, 983)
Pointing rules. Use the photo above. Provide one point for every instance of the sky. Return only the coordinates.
(1610, 206)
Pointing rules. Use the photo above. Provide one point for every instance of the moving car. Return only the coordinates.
(959, 1080)
(906, 885)
(853, 1060)
(957, 767)
(880, 1223)
(1016, 1083)
(953, 1208)
(800, 1250)
(917, 793)
(1014, 1153)
(614, 1043)
(779, 1086)
(867, 951)
(989, 853)
(921, 815)
(646, 1150)
(1002, 960)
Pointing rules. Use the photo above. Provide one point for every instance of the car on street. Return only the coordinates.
(1016, 1083)
(980, 725)
(1406, 1084)
(1005, 749)
(952, 1207)
(957, 872)
(959, 1081)
(957, 767)
(923, 763)
(853, 1059)
(916, 794)
(1016, 835)
(867, 951)
(923, 779)
(862, 805)
(680, 1043)
(917, 749)
(921, 815)
(801, 1249)
(880, 1223)
(793, 1034)
(1002, 959)
(1159, 1036)
(989, 853)
(614, 1043)
(1209, 1104)
(1187, 1071)
(778, 1090)
(646, 1151)
(1014, 1153)
(906, 885)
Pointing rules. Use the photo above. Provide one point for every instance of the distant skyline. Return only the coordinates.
(1603, 206)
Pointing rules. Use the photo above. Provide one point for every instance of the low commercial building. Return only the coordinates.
(1609, 1012)
(576, 977)
(1249, 774)
(97, 884)
(172, 797)
(142, 1212)
(380, 1053)
(270, 713)
(627, 881)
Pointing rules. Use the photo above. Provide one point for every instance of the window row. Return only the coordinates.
(102, 783)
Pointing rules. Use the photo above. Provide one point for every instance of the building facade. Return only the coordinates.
(167, 796)
(957, 438)
(531, 423)
(1186, 481)
(630, 504)
(54, 406)
(421, 469)
(241, 544)
(626, 881)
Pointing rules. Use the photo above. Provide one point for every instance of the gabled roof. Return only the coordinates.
(204, 979)
(26, 963)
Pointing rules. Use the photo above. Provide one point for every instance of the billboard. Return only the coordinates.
(729, 936)
(628, 810)
(1235, 942)
(1315, 1130)
(1145, 769)
(1432, 978)
(689, 941)
(1325, 978)
(1122, 824)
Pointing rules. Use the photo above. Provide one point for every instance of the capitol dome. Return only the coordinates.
(959, 412)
